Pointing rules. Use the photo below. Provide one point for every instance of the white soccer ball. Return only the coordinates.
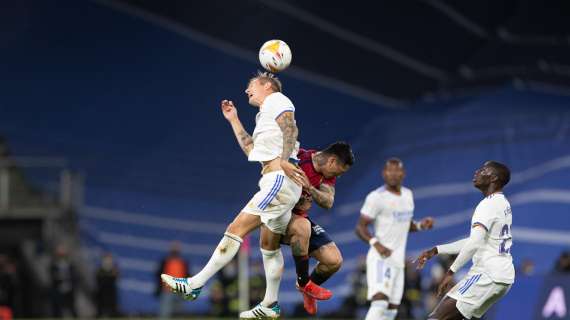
(275, 55)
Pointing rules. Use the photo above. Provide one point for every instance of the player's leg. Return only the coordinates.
(299, 231)
(378, 277)
(396, 295)
(471, 297)
(273, 264)
(378, 307)
(446, 310)
(227, 248)
(275, 212)
(328, 256)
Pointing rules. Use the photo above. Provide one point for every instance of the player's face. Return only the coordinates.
(393, 174)
(255, 92)
(334, 168)
(482, 176)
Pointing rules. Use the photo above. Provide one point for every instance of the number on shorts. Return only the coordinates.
(505, 247)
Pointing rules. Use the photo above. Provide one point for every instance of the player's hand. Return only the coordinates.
(229, 110)
(425, 256)
(383, 251)
(445, 284)
(293, 172)
(306, 184)
(427, 223)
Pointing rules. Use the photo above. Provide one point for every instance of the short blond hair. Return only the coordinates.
(264, 77)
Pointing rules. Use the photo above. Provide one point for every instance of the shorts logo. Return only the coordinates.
(318, 229)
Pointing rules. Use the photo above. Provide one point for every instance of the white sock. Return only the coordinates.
(377, 309)
(273, 264)
(390, 314)
(224, 253)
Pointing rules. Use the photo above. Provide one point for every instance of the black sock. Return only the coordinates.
(302, 267)
(318, 278)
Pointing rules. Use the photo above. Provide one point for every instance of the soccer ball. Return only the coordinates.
(275, 55)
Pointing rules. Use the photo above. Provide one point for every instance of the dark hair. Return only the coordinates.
(395, 161)
(342, 151)
(501, 171)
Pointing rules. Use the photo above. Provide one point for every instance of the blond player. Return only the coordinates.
(273, 144)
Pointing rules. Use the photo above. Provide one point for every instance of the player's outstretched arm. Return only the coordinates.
(425, 224)
(363, 233)
(473, 243)
(323, 196)
(450, 248)
(244, 139)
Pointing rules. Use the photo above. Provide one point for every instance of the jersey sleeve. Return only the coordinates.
(371, 207)
(484, 215)
(279, 105)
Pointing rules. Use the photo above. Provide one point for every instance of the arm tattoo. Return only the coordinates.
(245, 141)
(323, 196)
(286, 122)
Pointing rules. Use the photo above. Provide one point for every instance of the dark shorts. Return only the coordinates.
(319, 237)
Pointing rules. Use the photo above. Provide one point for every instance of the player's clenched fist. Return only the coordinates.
(229, 110)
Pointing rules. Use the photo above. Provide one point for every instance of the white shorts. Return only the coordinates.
(383, 277)
(476, 293)
(274, 201)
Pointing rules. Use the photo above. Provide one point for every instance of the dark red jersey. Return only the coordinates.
(315, 178)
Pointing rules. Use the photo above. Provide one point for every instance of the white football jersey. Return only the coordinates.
(267, 136)
(494, 257)
(392, 216)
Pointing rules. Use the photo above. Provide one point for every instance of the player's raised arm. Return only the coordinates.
(244, 139)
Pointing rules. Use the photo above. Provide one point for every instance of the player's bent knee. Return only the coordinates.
(268, 239)
(243, 224)
(333, 258)
(335, 264)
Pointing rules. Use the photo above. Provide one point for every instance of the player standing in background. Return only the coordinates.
(489, 244)
(321, 168)
(391, 209)
(274, 144)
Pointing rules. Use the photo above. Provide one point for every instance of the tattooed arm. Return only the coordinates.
(244, 139)
(286, 122)
(323, 196)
